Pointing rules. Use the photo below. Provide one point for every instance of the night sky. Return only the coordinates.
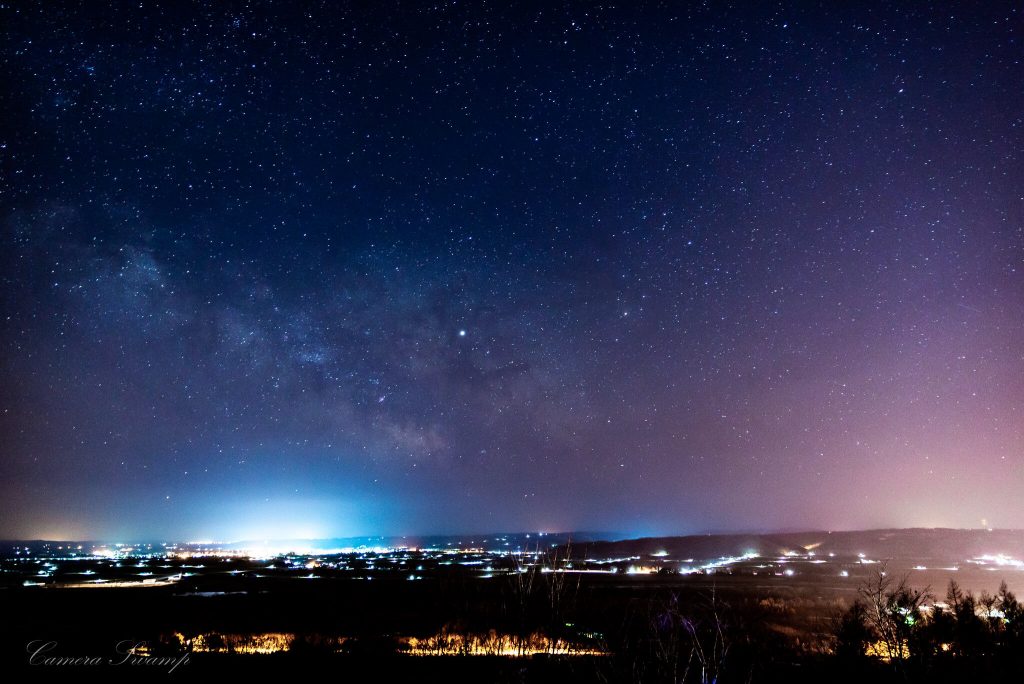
(309, 270)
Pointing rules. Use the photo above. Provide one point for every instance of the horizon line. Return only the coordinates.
(610, 535)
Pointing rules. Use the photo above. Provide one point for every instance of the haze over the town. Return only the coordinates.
(343, 270)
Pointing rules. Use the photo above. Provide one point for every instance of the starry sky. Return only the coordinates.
(322, 269)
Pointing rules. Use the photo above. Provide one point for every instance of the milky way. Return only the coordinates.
(313, 270)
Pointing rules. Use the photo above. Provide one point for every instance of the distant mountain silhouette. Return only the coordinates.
(919, 544)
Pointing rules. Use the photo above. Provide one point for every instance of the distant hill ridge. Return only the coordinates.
(917, 543)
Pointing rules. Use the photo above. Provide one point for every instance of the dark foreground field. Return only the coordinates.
(565, 628)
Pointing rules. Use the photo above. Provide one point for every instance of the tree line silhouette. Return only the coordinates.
(910, 632)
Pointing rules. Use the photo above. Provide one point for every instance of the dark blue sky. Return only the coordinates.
(312, 269)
